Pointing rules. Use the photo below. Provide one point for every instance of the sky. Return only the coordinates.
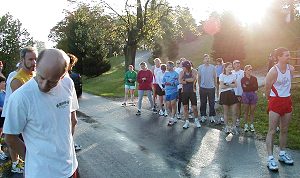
(39, 16)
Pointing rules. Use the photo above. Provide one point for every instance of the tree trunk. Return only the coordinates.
(130, 52)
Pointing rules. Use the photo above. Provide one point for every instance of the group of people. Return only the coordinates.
(227, 83)
(38, 114)
(174, 85)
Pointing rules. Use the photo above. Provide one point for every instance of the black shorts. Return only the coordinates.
(228, 98)
(189, 96)
(159, 91)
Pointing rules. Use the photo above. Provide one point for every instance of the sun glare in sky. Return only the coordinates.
(38, 17)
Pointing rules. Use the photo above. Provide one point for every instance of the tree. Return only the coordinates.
(140, 21)
(12, 38)
(229, 41)
(85, 33)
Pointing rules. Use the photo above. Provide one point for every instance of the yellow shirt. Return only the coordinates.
(23, 76)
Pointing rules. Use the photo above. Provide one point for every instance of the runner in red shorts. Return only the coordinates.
(278, 86)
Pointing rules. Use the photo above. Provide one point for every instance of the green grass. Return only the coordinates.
(261, 118)
(109, 84)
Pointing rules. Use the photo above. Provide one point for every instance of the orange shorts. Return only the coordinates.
(280, 105)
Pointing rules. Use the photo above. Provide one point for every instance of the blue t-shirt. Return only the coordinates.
(219, 70)
(170, 80)
(2, 97)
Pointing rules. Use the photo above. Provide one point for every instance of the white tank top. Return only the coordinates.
(282, 86)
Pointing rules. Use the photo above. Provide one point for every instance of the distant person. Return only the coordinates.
(144, 79)
(178, 69)
(227, 97)
(1, 68)
(3, 156)
(278, 92)
(219, 69)
(46, 127)
(28, 58)
(155, 69)
(130, 85)
(239, 73)
(249, 97)
(160, 91)
(67, 78)
(188, 79)
(207, 80)
(170, 80)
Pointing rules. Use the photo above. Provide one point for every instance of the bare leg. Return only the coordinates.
(246, 114)
(252, 109)
(173, 107)
(226, 110)
(284, 124)
(273, 122)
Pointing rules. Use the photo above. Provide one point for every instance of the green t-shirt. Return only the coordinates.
(130, 75)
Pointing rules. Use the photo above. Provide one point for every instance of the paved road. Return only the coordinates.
(117, 143)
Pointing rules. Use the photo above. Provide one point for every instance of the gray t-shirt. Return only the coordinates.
(207, 75)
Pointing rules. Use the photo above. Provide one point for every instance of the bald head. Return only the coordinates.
(52, 65)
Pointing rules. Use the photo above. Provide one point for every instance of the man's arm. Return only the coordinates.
(73, 121)
(16, 144)
(269, 81)
(15, 84)
(194, 76)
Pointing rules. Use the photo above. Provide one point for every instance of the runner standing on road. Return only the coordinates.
(188, 79)
(130, 80)
(160, 90)
(278, 93)
(227, 97)
(249, 97)
(170, 80)
(144, 78)
(207, 80)
(178, 69)
(155, 69)
(219, 69)
(239, 73)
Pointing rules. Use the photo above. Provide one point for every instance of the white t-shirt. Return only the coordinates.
(159, 77)
(44, 119)
(239, 75)
(178, 70)
(69, 82)
(155, 71)
(8, 90)
(227, 79)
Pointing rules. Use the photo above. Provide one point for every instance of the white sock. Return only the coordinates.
(281, 152)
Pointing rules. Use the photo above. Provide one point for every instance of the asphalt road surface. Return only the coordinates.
(117, 143)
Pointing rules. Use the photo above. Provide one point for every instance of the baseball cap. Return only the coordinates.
(186, 64)
(236, 61)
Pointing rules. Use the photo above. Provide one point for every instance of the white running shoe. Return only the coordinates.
(252, 128)
(286, 158)
(203, 119)
(197, 123)
(186, 124)
(272, 165)
(246, 128)
(161, 112)
(172, 121)
(227, 129)
(212, 119)
(166, 113)
(234, 130)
